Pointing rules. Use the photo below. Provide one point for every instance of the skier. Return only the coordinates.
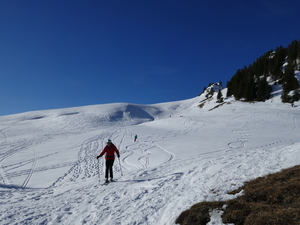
(135, 137)
(110, 149)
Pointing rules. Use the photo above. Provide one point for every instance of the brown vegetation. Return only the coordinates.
(270, 200)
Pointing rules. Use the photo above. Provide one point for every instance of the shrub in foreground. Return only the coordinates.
(198, 214)
(270, 200)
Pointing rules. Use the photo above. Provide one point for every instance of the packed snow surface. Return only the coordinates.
(184, 154)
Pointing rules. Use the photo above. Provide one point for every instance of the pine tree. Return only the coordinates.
(278, 61)
(290, 83)
(263, 90)
(220, 96)
(296, 95)
(292, 52)
(289, 80)
(284, 96)
(250, 89)
(229, 89)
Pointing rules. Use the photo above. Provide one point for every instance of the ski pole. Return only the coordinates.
(98, 170)
(120, 166)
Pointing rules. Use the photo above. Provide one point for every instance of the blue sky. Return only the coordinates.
(67, 53)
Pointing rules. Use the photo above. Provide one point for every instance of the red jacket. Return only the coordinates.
(110, 151)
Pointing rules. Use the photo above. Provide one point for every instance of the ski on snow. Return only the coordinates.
(107, 183)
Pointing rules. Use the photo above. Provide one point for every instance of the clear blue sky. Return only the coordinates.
(66, 53)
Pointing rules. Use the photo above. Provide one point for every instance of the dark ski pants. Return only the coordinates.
(109, 168)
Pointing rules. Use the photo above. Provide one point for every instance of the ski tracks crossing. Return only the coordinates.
(139, 154)
(31, 171)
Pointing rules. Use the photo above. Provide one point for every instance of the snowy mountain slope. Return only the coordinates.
(184, 154)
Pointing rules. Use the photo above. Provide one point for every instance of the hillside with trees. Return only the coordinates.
(254, 82)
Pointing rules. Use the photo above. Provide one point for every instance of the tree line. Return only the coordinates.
(253, 82)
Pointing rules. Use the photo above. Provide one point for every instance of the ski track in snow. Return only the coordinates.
(175, 162)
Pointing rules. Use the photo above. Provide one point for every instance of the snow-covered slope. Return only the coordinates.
(184, 154)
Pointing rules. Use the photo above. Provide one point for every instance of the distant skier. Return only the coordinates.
(135, 137)
(110, 149)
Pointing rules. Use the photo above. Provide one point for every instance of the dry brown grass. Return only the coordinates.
(198, 213)
(270, 200)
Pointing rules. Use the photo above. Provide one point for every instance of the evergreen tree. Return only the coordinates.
(229, 89)
(278, 61)
(250, 89)
(263, 90)
(296, 95)
(290, 83)
(289, 80)
(285, 96)
(292, 52)
(219, 96)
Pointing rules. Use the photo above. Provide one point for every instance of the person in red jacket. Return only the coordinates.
(110, 149)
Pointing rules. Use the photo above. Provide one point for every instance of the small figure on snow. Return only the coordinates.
(110, 149)
(135, 137)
